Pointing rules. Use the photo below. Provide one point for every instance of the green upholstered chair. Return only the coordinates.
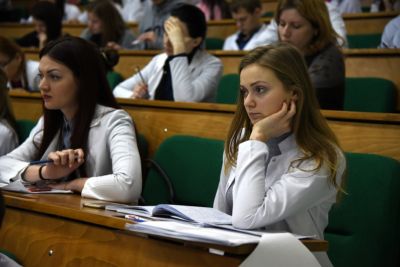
(114, 78)
(24, 128)
(364, 40)
(214, 43)
(186, 171)
(364, 226)
(228, 89)
(369, 94)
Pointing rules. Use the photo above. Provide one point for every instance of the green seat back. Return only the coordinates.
(363, 227)
(24, 128)
(214, 43)
(364, 40)
(369, 95)
(193, 165)
(114, 78)
(228, 89)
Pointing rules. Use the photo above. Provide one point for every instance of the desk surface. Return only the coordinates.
(56, 224)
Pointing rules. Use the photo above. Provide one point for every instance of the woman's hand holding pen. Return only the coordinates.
(140, 91)
(64, 162)
(274, 125)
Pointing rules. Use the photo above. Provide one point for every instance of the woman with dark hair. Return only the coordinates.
(48, 25)
(20, 73)
(8, 125)
(78, 111)
(283, 166)
(185, 72)
(106, 26)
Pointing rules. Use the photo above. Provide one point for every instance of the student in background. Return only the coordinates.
(151, 27)
(283, 166)
(8, 124)
(251, 34)
(334, 16)
(306, 25)
(47, 20)
(391, 34)
(21, 73)
(215, 9)
(79, 110)
(106, 26)
(185, 72)
(133, 10)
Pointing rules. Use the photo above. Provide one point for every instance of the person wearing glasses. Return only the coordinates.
(21, 73)
(185, 71)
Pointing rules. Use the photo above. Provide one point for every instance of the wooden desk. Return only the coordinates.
(384, 63)
(362, 132)
(359, 23)
(56, 230)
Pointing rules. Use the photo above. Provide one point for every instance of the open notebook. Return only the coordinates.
(203, 215)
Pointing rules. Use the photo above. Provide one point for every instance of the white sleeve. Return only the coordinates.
(270, 35)
(8, 139)
(194, 88)
(229, 43)
(220, 200)
(255, 206)
(12, 164)
(124, 184)
(337, 22)
(125, 88)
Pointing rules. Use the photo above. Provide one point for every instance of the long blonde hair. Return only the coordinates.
(312, 133)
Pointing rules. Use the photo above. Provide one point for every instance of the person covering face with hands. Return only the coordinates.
(185, 72)
(282, 165)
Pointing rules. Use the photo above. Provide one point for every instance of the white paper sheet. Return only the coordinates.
(280, 250)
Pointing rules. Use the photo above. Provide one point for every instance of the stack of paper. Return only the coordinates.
(193, 232)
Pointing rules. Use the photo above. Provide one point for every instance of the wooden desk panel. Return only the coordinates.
(363, 132)
(56, 230)
(359, 23)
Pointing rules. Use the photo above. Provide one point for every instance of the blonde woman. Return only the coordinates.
(283, 165)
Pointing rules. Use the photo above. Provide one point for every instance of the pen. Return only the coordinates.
(40, 162)
(135, 218)
(137, 69)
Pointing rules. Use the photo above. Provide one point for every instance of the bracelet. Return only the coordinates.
(40, 173)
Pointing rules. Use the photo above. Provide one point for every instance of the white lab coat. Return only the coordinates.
(32, 72)
(8, 138)
(278, 198)
(258, 39)
(194, 82)
(112, 160)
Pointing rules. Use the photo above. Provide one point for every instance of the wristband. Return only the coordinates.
(40, 173)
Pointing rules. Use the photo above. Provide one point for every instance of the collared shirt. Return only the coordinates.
(242, 39)
(164, 89)
(273, 148)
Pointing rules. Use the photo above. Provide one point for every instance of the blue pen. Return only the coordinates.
(40, 162)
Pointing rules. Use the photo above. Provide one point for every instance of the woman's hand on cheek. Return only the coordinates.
(274, 125)
(64, 162)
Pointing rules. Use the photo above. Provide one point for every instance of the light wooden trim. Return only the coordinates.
(361, 132)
